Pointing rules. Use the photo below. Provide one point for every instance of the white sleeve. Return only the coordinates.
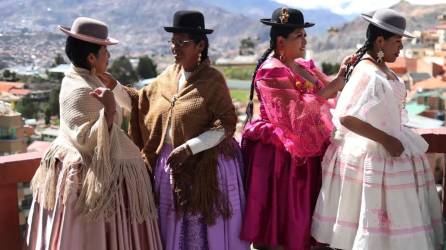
(122, 97)
(206, 140)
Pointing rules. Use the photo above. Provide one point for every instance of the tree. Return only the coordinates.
(146, 68)
(27, 107)
(329, 68)
(9, 76)
(123, 71)
(247, 46)
(53, 103)
(6, 73)
(58, 60)
(47, 112)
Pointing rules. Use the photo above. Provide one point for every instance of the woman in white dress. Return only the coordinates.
(378, 191)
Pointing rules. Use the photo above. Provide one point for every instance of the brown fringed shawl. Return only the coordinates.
(204, 103)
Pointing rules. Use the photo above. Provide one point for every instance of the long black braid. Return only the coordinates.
(274, 33)
(359, 54)
(373, 32)
(250, 107)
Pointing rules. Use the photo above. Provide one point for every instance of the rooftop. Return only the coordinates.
(430, 84)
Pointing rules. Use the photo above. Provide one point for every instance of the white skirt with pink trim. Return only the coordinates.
(370, 200)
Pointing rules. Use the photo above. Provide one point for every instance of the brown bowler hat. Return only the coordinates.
(89, 30)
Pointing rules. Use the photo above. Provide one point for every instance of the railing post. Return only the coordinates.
(13, 169)
(9, 220)
(443, 196)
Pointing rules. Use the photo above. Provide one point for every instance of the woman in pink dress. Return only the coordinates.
(283, 148)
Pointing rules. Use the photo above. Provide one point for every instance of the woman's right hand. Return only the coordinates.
(393, 146)
(106, 97)
(108, 80)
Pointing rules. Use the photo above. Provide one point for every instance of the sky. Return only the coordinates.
(349, 7)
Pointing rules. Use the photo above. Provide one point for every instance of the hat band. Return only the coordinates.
(390, 26)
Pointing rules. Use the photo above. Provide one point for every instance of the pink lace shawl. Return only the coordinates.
(299, 119)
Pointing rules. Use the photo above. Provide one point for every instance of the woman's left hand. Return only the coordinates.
(178, 156)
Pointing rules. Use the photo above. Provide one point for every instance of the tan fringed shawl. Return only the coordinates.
(204, 103)
(109, 160)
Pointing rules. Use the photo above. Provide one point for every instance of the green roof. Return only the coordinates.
(414, 108)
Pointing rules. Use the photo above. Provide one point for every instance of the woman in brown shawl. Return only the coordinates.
(183, 122)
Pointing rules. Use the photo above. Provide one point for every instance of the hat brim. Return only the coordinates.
(270, 22)
(187, 30)
(387, 27)
(90, 39)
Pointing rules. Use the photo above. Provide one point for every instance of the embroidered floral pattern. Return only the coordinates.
(383, 217)
(306, 86)
(193, 234)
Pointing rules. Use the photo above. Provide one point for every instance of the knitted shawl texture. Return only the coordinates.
(204, 103)
(109, 159)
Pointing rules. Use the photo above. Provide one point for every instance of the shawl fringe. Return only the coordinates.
(101, 178)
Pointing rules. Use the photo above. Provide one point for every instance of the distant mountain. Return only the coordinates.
(137, 23)
(256, 9)
(334, 45)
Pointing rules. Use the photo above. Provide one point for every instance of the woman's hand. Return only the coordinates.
(348, 60)
(106, 97)
(340, 76)
(178, 156)
(338, 83)
(393, 146)
(390, 143)
(108, 80)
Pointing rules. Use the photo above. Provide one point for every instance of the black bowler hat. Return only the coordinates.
(287, 17)
(188, 21)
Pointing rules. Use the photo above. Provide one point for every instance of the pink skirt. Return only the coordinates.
(281, 194)
(63, 228)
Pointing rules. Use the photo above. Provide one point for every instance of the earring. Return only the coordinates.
(199, 59)
(380, 56)
(281, 57)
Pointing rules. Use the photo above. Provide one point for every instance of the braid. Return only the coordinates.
(273, 33)
(359, 54)
(250, 107)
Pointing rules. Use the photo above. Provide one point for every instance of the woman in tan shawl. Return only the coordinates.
(183, 122)
(92, 189)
